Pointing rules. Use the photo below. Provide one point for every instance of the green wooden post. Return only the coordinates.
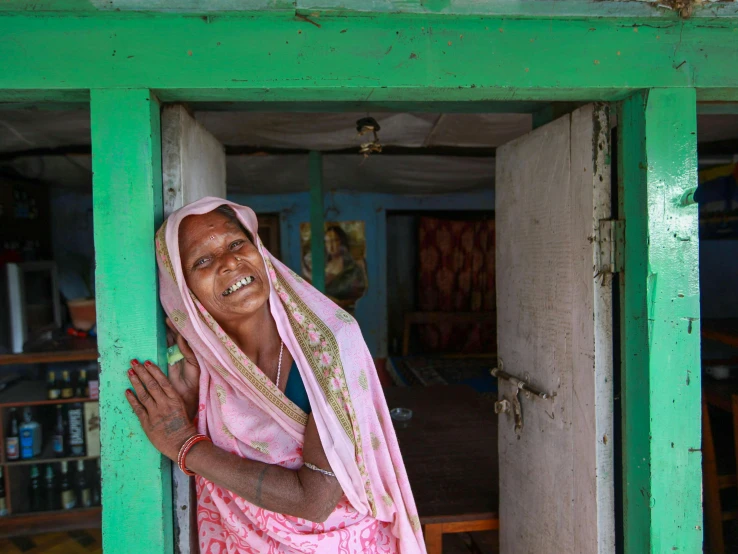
(317, 224)
(127, 190)
(661, 386)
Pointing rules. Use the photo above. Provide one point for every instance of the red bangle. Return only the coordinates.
(189, 443)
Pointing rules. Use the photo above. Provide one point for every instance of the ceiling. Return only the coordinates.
(268, 148)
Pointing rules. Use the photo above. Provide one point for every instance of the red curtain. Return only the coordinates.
(457, 274)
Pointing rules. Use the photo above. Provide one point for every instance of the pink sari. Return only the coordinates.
(243, 412)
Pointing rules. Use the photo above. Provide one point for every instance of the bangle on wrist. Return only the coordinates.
(184, 450)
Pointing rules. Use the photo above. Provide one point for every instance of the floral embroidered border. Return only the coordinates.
(321, 350)
(246, 368)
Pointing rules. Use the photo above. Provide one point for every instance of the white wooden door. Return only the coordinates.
(555, 333)
(193, 166)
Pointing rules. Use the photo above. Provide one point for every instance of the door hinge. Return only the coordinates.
(610, 246)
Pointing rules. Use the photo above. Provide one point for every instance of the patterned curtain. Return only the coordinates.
(457, 274)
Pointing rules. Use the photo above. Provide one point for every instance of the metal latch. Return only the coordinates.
(505, 406)
(610, 246)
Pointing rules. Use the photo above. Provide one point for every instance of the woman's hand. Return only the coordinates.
(160, 409)
(185, 374)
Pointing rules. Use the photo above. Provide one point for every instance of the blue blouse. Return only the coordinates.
(295, 389)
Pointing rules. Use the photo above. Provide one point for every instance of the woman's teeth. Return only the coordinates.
(242, 283)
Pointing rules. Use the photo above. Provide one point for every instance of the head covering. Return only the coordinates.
(244, 412)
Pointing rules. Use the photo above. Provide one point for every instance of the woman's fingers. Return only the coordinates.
(155, 372)
(141, 393)
(138, 409)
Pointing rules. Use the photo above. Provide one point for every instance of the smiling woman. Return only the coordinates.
(276, 406)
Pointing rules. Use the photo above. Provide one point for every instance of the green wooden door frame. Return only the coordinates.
(658, 67)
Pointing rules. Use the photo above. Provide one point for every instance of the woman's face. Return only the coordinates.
(332, 243)
(222, 267)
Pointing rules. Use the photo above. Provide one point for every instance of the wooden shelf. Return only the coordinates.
(47, 522)
(32, 393)
(47, 457)
(65, 349)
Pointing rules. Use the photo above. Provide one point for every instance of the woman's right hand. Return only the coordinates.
(184, 374)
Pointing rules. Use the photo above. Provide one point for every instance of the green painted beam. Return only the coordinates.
(377, 57)
(127, 190)
(661, 383)
(317, 219)
(506, 8)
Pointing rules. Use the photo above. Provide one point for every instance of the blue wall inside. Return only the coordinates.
(372, 310)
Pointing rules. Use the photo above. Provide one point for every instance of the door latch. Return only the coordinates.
(505, 406)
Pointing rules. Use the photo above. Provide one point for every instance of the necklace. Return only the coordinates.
(279, 366)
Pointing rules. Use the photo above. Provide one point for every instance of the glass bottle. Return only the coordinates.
(84, 493)
(59, 440)
(30, 436)
(67, 391)
(34, 489)
(96, 485)
(53, 392)
(51, 501)
(3, 503)
(68, 497)
(82, 389)
(12, 437)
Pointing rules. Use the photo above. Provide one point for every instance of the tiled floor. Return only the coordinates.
(73, 542)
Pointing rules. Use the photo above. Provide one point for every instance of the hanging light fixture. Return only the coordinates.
(369, 125)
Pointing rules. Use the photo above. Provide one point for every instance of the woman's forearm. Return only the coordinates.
(303, 493)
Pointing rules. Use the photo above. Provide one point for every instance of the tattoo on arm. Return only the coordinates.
(259, 483)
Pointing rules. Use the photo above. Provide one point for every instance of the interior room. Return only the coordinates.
(409, 209)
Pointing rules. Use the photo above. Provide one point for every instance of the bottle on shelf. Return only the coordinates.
(76, 430)
(30, 436)
(12, 437)
(59, 441)
(51, 499)
(67, 390)
(96, 485)
(34, 490)
(53, 390)
(84, 493)
(67, 495)
(82, 390)
(3, 503)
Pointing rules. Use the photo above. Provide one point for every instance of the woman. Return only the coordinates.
(292, 442)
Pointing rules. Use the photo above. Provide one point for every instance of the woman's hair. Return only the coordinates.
(227, 211)
(340, 233)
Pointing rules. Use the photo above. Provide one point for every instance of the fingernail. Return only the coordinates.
(131, 373)
(134, 361)
(147, 363)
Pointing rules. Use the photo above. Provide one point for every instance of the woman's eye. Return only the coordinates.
(236, 244)
(201, 262)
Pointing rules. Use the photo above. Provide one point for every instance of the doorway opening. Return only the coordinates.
(717, 197)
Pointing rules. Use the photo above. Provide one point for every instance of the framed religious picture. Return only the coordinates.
(345, 261)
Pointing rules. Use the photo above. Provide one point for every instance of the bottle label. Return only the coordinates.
(58, 444)
(3, 507)
(12, 448)
(26, 443)
(86, 498)
(67, 393)
(68, 500)
(53, 394)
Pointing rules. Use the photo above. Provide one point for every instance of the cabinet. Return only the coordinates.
(16, 474)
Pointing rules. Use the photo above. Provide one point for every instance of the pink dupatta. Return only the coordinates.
(243, 412)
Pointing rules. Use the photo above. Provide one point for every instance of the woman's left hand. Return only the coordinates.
(159, 408)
